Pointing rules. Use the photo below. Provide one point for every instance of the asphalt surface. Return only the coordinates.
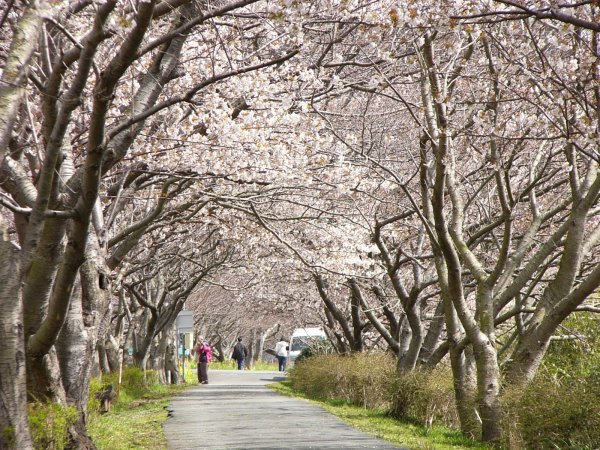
(236, 411)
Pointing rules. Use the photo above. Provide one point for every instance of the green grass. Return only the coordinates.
(137, 425)
(232, 365)
(136, 418)
(377, 422)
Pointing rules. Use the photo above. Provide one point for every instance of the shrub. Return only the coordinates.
(7, 437)
(362, 379)
(425, 397)
(49, 423)
(575, 357)
(554, 413)
(561, 407)
(96, 385)
(306, 352)
(316, 347)
(136, 382)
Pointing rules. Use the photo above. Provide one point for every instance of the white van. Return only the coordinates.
(302, 338)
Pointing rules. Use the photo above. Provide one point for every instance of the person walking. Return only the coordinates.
(204, 356)
(281, 351)
(239, 353)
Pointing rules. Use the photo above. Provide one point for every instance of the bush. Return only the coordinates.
(306, 352)
(135, 382)
(7, 437)
(556, 411)
(97, 385)
(572, 358)
(561, 407)
(316, 347)
(49, 423)
(425, 397)
(362, 379)
(371, 380)
(551, 413)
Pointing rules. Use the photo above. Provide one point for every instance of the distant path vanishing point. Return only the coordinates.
(237, 411)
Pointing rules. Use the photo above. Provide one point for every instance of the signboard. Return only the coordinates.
(185, 322)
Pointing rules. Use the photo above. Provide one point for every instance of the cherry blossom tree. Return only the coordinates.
(484, 171)
(423, 177)
(98, 83)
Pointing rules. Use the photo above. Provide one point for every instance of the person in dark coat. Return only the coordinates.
(240, 352)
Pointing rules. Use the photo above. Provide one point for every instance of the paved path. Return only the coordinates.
(237, 411)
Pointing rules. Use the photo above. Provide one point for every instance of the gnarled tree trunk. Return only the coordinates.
(13, 402)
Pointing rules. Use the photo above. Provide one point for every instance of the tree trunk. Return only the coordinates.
(488, 370)
(257, 339)
(171, 366)
(404, 343)
(488, 387)
(415, 342)
(251, 350)
(44, 379)
(16, 68)
(464, 393)
(74, 351)
(103, 357)
(171, 359)
(357, 325)
(159, 358)
(13, 402)
(220, 352)
(559, 299)
(261, 345)
(113, 353)
(433, 334)
(166, 357)
(78, 338)
(463, 379)
(142, 343)
(334, 314)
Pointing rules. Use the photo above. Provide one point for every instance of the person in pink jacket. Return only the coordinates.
(204, 356)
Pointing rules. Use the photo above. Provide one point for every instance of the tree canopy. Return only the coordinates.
(419, 177)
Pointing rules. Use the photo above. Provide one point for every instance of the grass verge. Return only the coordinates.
(232, 365)
(136, 418)
(378, 423)
(137, 425)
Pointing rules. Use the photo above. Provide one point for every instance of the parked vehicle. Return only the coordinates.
(303, 338)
